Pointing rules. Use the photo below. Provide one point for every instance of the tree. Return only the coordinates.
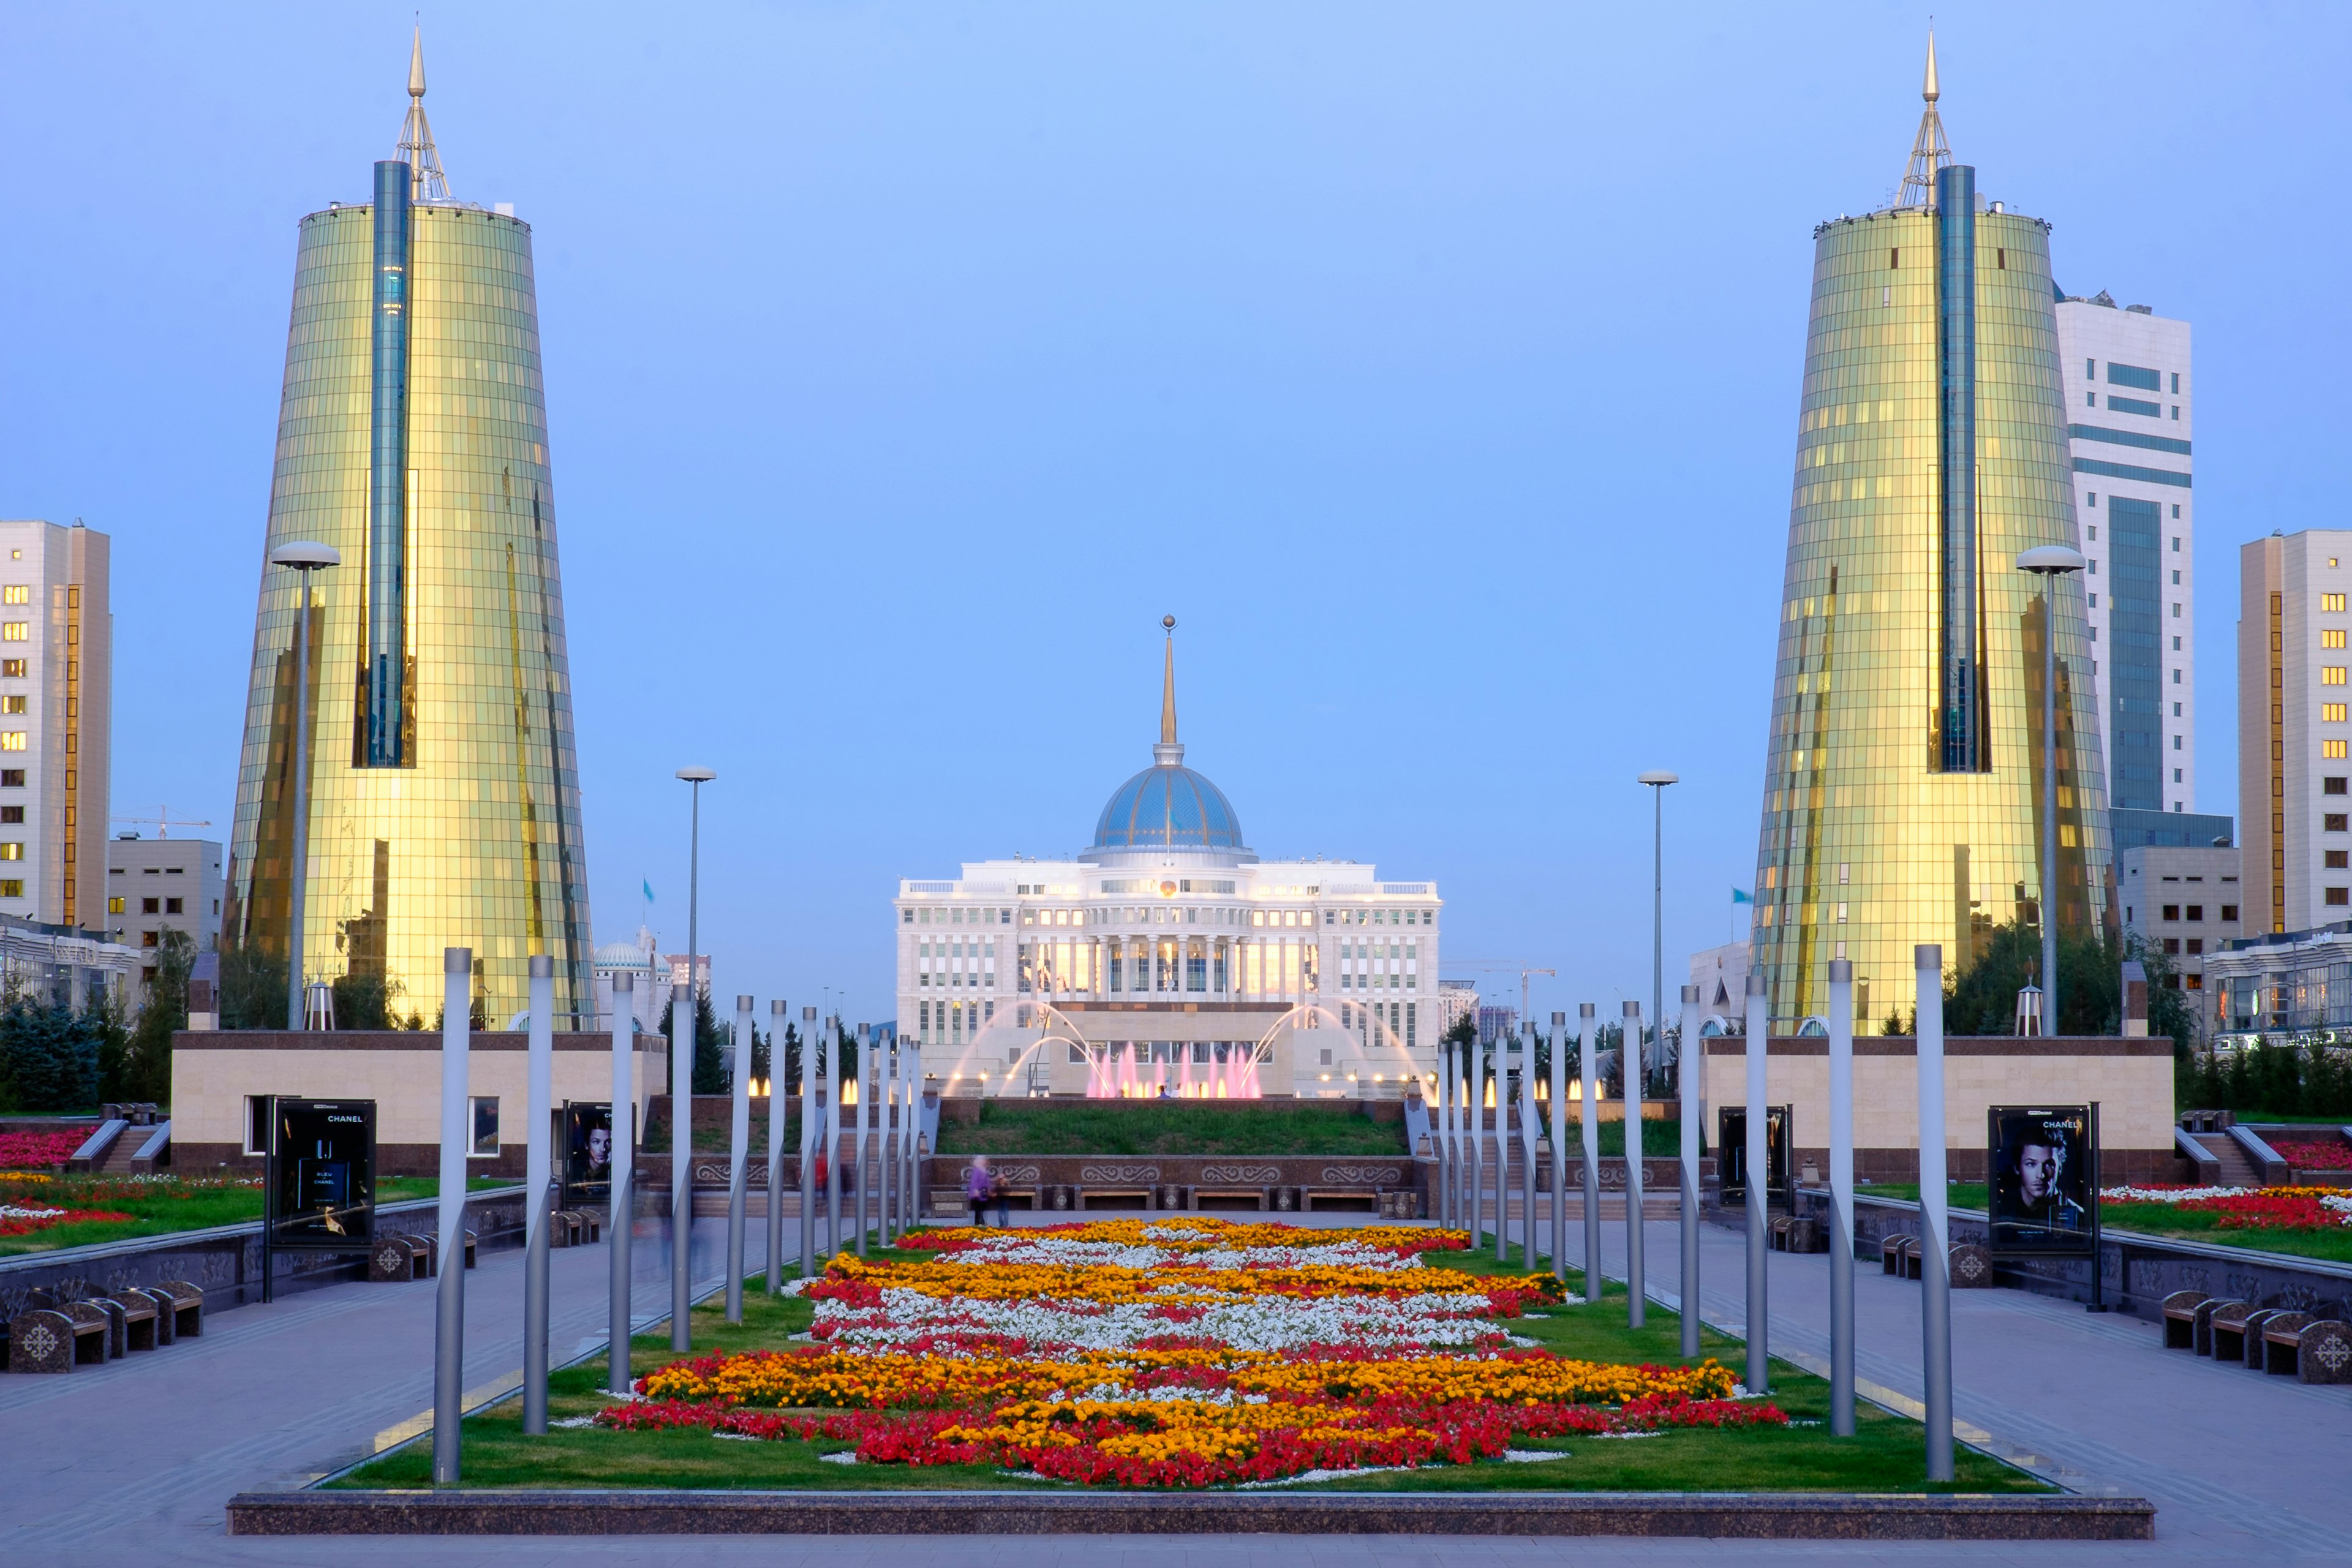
(49, 1055)
(1982, 998)
(362, 1002)
(709, 1070)
(145, 1071)
(252, 987)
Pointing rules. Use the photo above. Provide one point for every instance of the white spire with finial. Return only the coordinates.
(426, 182)
(1929, 150)
(1170, 750)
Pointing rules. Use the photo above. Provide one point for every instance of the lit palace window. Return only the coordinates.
(16, 631)
(16, 593)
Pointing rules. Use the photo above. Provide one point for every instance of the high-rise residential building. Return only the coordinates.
(2295, 811)
(2130, 401)
(2184, 903)
(444, 804)
(1903, 793)
(56, 709)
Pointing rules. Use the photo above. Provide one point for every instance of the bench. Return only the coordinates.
(52, 1339)
(2309, 1350)
(117, 1324)
(1789, 1234)
(2180, 1313)
(947, 1202)
(1328, 1196)
(1969, 1267)
(397, 1258)
(2227, 1334)
(1085, 1197)
(183, 1302)
(166, 1329)
(1226, 1198)
(2280, 1332)
(2250, 1348)
(2201, 1332)
(139, 1317)
(1899, 1256)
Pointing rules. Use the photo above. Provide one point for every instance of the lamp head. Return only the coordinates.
(2051, 561)
(697, 775)
(1661, 778)
(306, 555)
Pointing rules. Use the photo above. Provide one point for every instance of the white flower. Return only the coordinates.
(1245, 1323)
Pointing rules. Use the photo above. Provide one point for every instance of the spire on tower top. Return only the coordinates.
(1929, 150)
(426, 182)
(1168, 752)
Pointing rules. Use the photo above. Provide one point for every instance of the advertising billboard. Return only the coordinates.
(585, 1129)
(320, 1180)
(1731, 1154)
(2044, 1193)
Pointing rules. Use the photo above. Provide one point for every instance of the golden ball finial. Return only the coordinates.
(1167, 621)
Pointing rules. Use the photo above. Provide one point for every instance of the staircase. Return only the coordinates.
(2237, 1171)
(121, 1159)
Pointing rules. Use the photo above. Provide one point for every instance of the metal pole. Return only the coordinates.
(1757, 1193)
(295, 1017)
(538, 1192)
(810, 1059)
(890, 1120)
(865, 1081)
(1690, 1066)
(1840, 1198)
(449, 1317)
(738, 1158)
(1588, 1123)
(780, 1084)
(1628, 1083)
(1442, 1145)
(1474, 1133)
(1497, 1065)
(1526, 1145)
(618, 1223)
(683, 1017)
(2049, 810)
(833, 1135)
(1559, 1146)
(1935, 1246)
(910, 1139)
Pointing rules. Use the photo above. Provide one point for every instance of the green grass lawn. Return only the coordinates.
(159, 1208)
(1169, 1127)
(2331, 1245)
(1885, 1454)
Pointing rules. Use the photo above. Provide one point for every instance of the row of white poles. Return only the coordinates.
(1467, 1074)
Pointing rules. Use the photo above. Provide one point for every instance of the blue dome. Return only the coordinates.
(1168, 806)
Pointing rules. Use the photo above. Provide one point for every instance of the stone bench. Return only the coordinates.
(1083, 1197)
(1199, 1197)
(2179, 1315)
(54, 1339)
(397, 1258)
(1789, 1234)
(137, 1325)
(1899, 1256)
(2228, 1331)
(2309, 1350)
(2201, 1332)
(1310, 1197)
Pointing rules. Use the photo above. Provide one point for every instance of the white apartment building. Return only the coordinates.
(2129, 408)
(2294, 778)
(56, 671)
(155, 885)
(2186, 903)
(1167, 957)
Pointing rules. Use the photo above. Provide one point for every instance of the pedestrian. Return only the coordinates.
(1002, 1192)
(976, 1185)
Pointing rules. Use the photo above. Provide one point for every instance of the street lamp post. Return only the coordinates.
(301, 557)
(1657, 780)
(2050, 563)
(681, 1087)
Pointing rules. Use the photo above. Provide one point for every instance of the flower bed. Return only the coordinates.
(1174, 1354)
(23, 1219)
(2248, 1208)
(2306, 1154)
(19, 1151)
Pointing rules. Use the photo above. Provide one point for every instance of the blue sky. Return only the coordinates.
(1436, 365)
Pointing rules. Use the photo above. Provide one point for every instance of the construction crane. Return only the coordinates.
(164, 821)
(1504, 966)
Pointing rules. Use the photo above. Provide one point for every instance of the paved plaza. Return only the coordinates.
(134, 1461)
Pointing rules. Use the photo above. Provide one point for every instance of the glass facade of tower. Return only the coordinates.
(444, 799)
(1903, 798)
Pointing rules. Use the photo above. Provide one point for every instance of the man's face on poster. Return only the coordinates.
(2037, 1171)
(599, 1146)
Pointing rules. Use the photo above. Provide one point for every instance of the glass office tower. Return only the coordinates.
(444, 796)
(1903, 793)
